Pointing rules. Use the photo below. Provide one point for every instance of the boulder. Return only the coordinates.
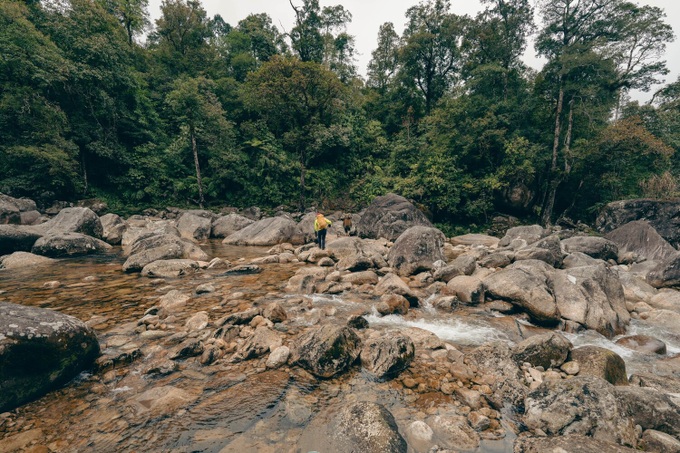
(229, 224)
(640, 239)
(548, 250)
(392, 304)
(666, 299)
(387, 356)
(463, 265)
(650, 408)
(643, 343)
(326, 351)
(528, 233)
(601, 363)
(40, 350)
(468, 289)
(527, 287)
(475, 239)
(388, 217)
(148, 248)
(68, 244)
(416, 250)
(668, 383)
(595, 247)
(73, 220)
(193, 227)
(567, 444)
(17, 239)
(169, 268)
(358, 426)
(9, 211)
(657, 441)
(24, 259)
(579, 259)
(593, 297)
(665, 319)
(268, 231)
(585, 406)
(495, 360)
(549, 350)
(666, 274)
(113, 228)
(393, 284)
(453, 432)
(662, 215)
(262, 341)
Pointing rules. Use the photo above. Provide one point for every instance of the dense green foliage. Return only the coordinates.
(97, 101)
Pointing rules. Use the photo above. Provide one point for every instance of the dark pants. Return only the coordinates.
(321, 236)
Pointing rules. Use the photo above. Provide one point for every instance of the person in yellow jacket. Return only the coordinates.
(321, 224)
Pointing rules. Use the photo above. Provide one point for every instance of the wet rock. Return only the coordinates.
(198, 321)
(163, 401)
(171, 303)
(416, 250)
(581, 405)
(643, 343)
(326, 351)
(600, 362)
(525, 287)
(64, 345)
(548, 350)
(506, 381)
(661, 442)
(567, 444)
(650, 408)
(388, 217)
(593, 246)
(528, 233)
(190, 347)
(419, 436)
(268, 231)
(387, 356)
(113, 228)
(169, 268)
(16, 239)
(357, 322)
(393, 284)
(229, 224)
(453, 432)
(156, 247)
(21, 441)
(205, 288)
(193, 227)
(355, 427)
(392, 304)
(260, 343)
(275, 312)
(73, 220)
(478, 422)
(361, 278)
(244, 269)
(211, 354)
(468, 289)
(278, 357)
(68, 244)
(243, 317)
(593, 297)
(24, 259)
(548, 250)
(463, 265)
(423, 339)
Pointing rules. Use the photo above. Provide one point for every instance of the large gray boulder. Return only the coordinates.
(68, 244)
(593, 246)
(9, 211)
(650, 408)
(662, 215)
(416, 250)
(495, 360)
(666, 274)
(73, 220)
(40, 350)
(549, 350)
(359, 426)
(641, 240)
(548, 250)
(147, 249)
(526, 286)
(326, 351)
(268, 231)
(389, 216)
(388, 355)
(24, 259)
(600, 362)
(14, 238)
(357, 254)
(527, 233)
(194, 227)
(113, 228)
(593, 297)
(585, 406)
(229, 224)
(172, 268)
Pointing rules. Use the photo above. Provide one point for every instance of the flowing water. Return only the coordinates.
(222, 407)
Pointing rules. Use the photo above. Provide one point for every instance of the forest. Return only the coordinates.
(96, 101)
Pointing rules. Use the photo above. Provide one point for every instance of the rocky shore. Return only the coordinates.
(288, 369)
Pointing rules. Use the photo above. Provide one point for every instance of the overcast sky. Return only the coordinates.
(368, 15)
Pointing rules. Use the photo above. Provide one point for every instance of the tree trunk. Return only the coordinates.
(194, 148)
(553, 181)
(302, 181)
(85, 181)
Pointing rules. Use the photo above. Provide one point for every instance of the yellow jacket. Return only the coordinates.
(320, 219)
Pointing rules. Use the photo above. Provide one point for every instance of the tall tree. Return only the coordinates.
(384, 59)
(431, 52)
(132, 14)
(301, 102)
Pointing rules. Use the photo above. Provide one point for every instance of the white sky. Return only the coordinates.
(368, 15)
